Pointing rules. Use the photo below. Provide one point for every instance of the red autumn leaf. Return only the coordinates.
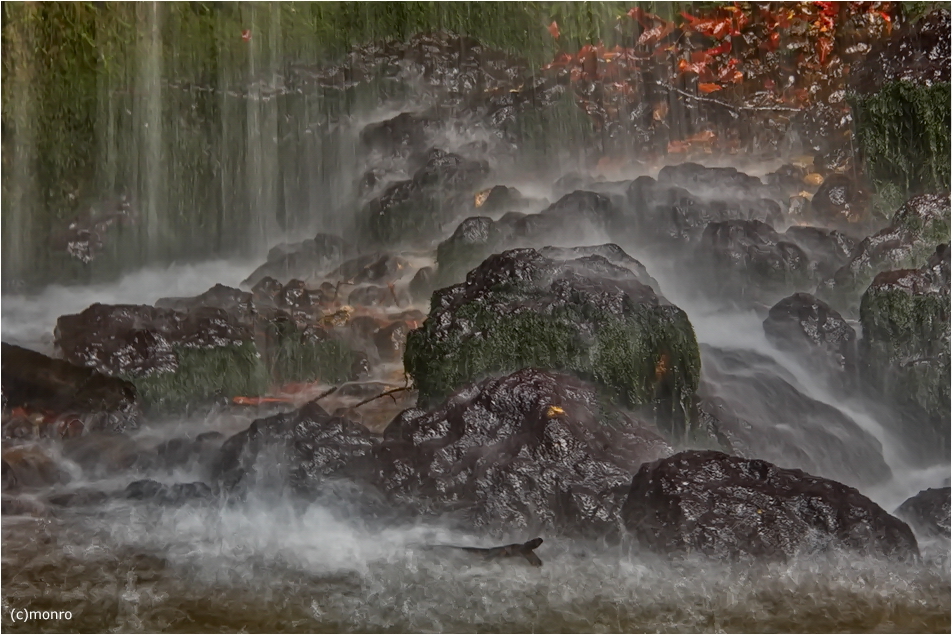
(769, 84)
(246, 35)
(714, 27)
(709, 87)
(643, 17)
(696, 68)
(723, 47)
(824, 46)
(654, 34)
(554, 29)
(772, 43)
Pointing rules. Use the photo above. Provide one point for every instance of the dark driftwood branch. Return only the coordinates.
(388, 393)
(724, 104)
(326, 393)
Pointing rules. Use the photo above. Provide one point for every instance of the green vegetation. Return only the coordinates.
(903, 134)
(648, 358)
(296, 357)
(905, 348)
(204, 374)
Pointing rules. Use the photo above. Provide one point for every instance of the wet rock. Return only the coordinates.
(304, 260)
(183, 451)
(372, 295)
(419, 208)
(499, 198)
(712, 182)
(31, 466)
(176, 494)
(828, 249)
(300, 450)
(105, 455)
(520, 309)
(529, 450)
(806, 326)
(422, 284)
(904, 353)
(391, 341)
(372, 268)
(763, 412)
(721, 506)
(747, 259)
(839, 201)
(81, 497)
(174, 359)
(663, 210)
(918, 52)
(585, 216)
(908, 241)
(399, 135)
(35, 381)
(928, 512)
(234, 302)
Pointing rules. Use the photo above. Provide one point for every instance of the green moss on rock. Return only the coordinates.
(903, 134)
(203, 374)
(908, 241)
(307, 356)
(905, 347)
(586, 316)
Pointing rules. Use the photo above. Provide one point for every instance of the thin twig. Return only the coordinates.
(326, 393)
(388, 393)
(724, 104)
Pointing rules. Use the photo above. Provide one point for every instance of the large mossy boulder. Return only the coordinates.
(587, 316)
(173, 358)
(908, 242)
(34, 381)
(721, 506)
(901, 105)
(531, 450)
(904, 353)
(220, 344)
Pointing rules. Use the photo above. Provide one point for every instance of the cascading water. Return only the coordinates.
(183, 520)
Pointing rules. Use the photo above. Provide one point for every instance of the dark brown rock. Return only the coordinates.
(727, 507)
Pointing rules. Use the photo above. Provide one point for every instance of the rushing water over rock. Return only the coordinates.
(716, 401)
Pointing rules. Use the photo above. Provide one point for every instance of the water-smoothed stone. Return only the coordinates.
(173, 358)
(763, 411)
(905, 350)
(298, 451)
(303, 260)
(828, 249)
(235, 302)
(908, 241)
(31, 466)
(928, 512)
(175, 494)
(839, 201)
(810, 328)
(34, 381)
(716, 182)
(577, 218)
(532, 449)
(587, 316)
(918, 53)
(399, 135)
(747, 259)
(666, 211)
(721, 506)
(379, 268)
(418, 208)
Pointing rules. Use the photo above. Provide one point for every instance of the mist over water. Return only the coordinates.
(268, 562)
